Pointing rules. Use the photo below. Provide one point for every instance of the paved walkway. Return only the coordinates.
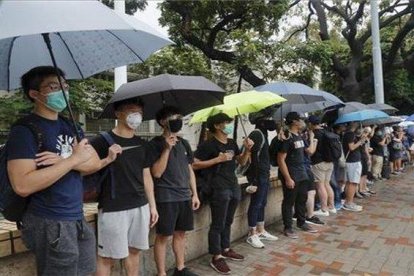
(378, 241)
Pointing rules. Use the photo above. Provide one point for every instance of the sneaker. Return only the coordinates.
(332, 211)
(254, 241)
(230, 254)
(267, 236)
(352, 207)
(307, 228)
(184, 272)
(339, 206)
(365, 194)
(290, 234)
(251, 189)
(321, 213)
(220, 266)
(358, 195)
(315, 220)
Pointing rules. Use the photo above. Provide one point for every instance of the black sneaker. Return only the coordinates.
(315, 220)
(184, 272)
(307, 228)
(290, 234)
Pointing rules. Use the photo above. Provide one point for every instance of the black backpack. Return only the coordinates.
(273, 150)
(13, 206)
(331, 146)
(92, 184)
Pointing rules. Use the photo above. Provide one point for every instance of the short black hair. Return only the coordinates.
(217, 119)
(292, 116)
(166, 112)
(132, 101)
(34, 77)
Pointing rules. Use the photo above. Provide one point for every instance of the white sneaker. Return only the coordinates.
(254, 241)
(352, 207)
(321, 213)
(332, 211)
(267, 236)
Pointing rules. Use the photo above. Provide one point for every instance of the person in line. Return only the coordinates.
(175, 189)
(53, 226)
(219, 156)
(125, 217)
(293, 176)
(353, 170)
(258, 176)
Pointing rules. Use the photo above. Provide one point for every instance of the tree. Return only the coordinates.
(12, 107)
(131, 6)
(232, 32)
(348, 22)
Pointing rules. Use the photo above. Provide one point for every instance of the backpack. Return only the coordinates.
(273, 150)
(13, 206)
(331, 147)
(242, 170)
(92, 184)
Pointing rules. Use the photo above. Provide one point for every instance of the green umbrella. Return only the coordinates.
(239, 103)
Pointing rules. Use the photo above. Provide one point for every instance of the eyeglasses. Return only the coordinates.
(55, 86)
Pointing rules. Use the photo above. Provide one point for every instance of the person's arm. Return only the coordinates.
(247, 152)
(26, 179)
(159, 166)
(200, 164)
(149, 192)
(193, 186)
(281, 162)
(313, 143)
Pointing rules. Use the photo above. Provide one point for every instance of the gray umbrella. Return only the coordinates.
(188, 93)
(295, 93)
(389, 109)
(86, 38)
(352, 107)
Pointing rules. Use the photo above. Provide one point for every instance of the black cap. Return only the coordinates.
(217, 119)
(314, 120)
(292, 116)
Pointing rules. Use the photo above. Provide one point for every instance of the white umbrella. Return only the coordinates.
(80, 37)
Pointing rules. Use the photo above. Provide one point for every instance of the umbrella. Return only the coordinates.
(239, 103)
(383, 107)
(406, 124)
(189, 93)
(352, 107)
(383, 121)
(410, 118)
(296, 93)
(362, 115)
(81, 38)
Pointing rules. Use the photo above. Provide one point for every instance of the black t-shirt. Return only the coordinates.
(355, 155)
(224, 176)
(260, 164)
(316, 158)
(377, 149)
(128, 173)
(174, 184)
(295, 158)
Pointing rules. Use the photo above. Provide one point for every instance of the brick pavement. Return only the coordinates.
(377, 241)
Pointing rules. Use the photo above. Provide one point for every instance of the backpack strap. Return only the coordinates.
(34, 128)
(111, 170)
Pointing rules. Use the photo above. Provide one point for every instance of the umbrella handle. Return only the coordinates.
(46, 38)
(241, 123)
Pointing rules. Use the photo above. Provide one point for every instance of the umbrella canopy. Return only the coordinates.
(383, 121)
(406, 124)
(295, 93)
(239, 103)
(189, 93)
(410, 118)
(389, 109)
(86, 37)
(362, 115)
(352, 107)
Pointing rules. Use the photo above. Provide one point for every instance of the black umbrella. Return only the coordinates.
(188, 93)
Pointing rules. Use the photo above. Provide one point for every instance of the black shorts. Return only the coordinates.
(174, 216)
(364, 163)
(311, 181)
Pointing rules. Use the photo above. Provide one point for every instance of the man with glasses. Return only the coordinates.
(175, 189)
(53, 225)
(127, 207)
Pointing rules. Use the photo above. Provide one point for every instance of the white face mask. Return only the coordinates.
(134, 120)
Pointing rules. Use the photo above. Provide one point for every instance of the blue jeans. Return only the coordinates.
(335, 185)
(258, 202)
(223, 204)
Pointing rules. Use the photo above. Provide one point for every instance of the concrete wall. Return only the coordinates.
(23, 264)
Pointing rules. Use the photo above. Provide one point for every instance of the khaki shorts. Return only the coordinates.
(117, 231)
(322, 172)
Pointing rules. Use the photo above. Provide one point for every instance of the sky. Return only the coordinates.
(150, 16)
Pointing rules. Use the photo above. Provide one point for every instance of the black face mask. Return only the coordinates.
(175, 125)
(269, 125)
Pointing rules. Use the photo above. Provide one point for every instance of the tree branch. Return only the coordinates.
(305, 27)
